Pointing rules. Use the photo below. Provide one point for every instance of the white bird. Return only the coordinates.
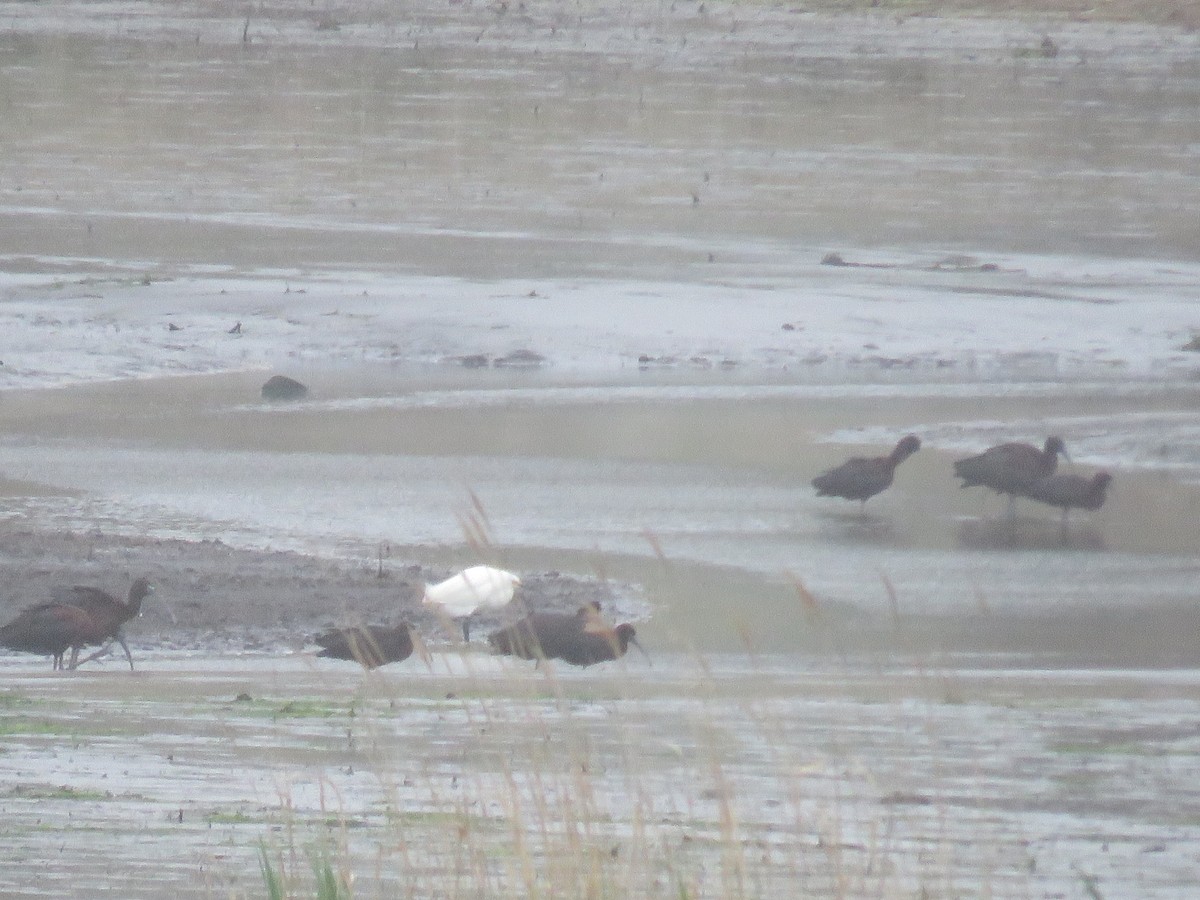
(473, 589)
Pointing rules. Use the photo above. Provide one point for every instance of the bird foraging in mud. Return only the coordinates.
(371, 646)
(1071, 492)
(581, 639)
(1011, 468)
(78, 617)
(51, 629)
(861, 478)
(463, 595)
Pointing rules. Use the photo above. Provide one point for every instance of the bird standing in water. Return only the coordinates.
(581, 639)
(1071, 492)
(861, 478)
(51, 629)
(1012, 468)
(371, 646)
(78, 617)
(471, 590)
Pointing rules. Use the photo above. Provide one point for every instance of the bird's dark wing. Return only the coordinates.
(855, 479)
(84, 596)
(51, 628)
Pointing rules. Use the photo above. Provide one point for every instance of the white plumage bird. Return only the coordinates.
(473, 589)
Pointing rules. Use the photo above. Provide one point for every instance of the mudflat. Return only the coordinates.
(922, 699)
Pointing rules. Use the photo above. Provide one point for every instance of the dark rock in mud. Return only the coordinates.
(473, 361)
(645, 361)
(280, 387)
(520, 359)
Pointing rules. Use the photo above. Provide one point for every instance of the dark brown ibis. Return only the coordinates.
(370, 646)
(1010, 468)
(78, 617)
(1069, 492)
(861, 478)
(51, 629)
(581, 639)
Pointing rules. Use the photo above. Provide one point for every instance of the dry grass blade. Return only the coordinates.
(475, 533)
(809, 602)
(479, 508)
(655, 545)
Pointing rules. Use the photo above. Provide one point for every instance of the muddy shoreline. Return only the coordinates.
(214, 598)
(202, 187)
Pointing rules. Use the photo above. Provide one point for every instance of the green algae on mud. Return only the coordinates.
(56, 792)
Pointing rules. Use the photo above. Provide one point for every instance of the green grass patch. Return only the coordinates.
(344, 822)
(329, 885)
(56, 792)
(436, 819)
(272, 879)
(230, 817)
(295, 709)
(13, 700)
(29, 726)
(327, 882)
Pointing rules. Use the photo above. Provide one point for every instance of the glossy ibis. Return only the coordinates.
(51, 629)
(370, 646)
(581, 639)
(861, 478)
(1010, 468)
(1071, 492)
(78, 617)
(462, 595)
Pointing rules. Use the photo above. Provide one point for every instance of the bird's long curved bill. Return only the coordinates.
(637, 644)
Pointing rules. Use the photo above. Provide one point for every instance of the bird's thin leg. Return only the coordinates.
(76, 662)
(635, 643)
(125, 647)
(466, 623)
(105, 650)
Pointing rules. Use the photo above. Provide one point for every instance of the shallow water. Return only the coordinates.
(727, 777)
(929, 720)
(534, 153)
(605, 151)
(698, 507)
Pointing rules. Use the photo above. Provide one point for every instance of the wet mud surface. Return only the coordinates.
(716, 778)
(212, 598)
(922, 699)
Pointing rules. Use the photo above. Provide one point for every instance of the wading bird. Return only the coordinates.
(581, 639)
(1071, 492)
(861, 478)
(78, 617)
(1010, 468)
(479, 587)
(371, 646)
(51, 629)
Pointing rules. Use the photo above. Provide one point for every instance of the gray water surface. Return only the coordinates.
(677, 147)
